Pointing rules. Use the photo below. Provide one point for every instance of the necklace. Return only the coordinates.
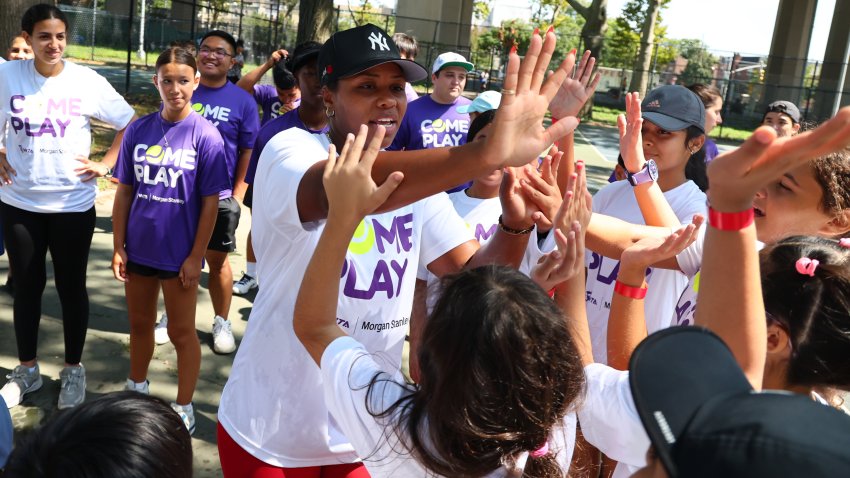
(164, 137)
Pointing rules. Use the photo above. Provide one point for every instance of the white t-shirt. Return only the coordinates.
(690, 261)
(665, 286)
(272, 404)
(482, 219)
(347, 370)
(49, 125)
(609, 419)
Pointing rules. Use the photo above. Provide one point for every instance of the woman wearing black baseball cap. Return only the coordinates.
(273, 417)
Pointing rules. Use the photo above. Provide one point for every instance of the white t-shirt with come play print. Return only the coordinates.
(49, 125)
(665, 286)
(347, 371)
(273, 404)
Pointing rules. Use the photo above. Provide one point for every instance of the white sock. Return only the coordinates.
(140, 385)
(187, 408)
(251, 269)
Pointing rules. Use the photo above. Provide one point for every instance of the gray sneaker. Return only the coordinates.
(73, 388)
(21, 382)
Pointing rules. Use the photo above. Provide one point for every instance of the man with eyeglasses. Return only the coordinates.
(234, 113)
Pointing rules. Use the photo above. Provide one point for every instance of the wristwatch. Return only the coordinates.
(649, 173)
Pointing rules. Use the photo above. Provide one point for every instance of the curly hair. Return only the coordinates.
(832, 172)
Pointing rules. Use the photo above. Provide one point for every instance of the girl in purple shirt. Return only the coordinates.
(171, 169)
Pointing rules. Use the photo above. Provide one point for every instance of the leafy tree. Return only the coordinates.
(593, 31)
(481, 9)
(701, 62)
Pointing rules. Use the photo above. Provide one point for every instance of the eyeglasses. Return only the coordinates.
(219, 53)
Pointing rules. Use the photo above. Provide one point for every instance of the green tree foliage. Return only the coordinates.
(622, 39)
(481, 9)
(700, 62)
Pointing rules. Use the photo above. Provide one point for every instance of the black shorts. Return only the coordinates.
(147, 271)
(248, 201)
(224, 233)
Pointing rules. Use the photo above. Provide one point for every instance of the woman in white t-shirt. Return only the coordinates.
(488, 403)
(273, 417)
(48, 190)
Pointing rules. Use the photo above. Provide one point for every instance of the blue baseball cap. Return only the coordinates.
(489, 100)
(673, 108)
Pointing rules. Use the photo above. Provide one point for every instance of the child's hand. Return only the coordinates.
(119, 265)
(541, 188)
(650, 250)
(735, 177)
(190, 272)
(352, 193)
(563, 263)
(577, 88)
(631, 140)
(577, 204)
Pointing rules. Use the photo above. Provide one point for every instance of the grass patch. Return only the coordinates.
(607, 116)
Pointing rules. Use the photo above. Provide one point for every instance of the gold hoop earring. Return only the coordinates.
(331, 114)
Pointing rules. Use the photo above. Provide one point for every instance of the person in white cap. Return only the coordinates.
(433, 121)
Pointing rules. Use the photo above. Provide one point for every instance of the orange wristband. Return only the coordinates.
(629, 291)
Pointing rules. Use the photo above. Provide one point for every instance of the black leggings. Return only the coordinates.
(29, 235)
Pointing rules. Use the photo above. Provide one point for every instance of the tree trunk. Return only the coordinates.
(10, 24)
(315, 19)
(640, 73)
(592, 35)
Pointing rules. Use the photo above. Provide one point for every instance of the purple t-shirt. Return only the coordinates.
(171, 167)
(233, 111)
(289, 119)
(428, 124)
(266, 97)
(711, 150)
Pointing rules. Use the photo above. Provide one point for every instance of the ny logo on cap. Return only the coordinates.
(376, 39)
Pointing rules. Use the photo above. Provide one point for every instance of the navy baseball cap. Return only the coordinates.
(353, 51)
(785, 107)
(304, 53)
(673, 108)
(705, 420)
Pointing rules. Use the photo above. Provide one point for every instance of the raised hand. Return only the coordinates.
(578, 202)
(352, 193)
(631, 140)
(518, 132)
(541, 188)
(276, 56)
(737, 176)
(577, 88)
(564, 263)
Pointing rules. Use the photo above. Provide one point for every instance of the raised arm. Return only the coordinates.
(352, 195)
(730, 295)
(518, 136)
(253, 77)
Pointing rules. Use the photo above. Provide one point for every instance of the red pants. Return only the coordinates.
(238, 463)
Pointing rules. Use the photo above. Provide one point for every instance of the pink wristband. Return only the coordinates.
(730, 221)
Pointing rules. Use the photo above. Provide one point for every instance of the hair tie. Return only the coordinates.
(845, 242)
(807, 266)
(542, 451)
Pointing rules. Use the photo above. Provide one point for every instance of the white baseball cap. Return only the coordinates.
(451, 59)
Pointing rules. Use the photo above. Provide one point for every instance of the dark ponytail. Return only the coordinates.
(695, 169)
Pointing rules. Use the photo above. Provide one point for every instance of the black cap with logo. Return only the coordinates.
(673, 108)
(352, 51)
(705, 420)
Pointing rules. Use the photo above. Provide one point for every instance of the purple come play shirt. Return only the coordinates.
(170, 173)
(233, 111)
(267, 132)
(428, 124)
(266, 97)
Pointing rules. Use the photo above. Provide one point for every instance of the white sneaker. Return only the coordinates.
(187, 414)
(160, 332)
(21, 382)
(132, 387)
(73, 388)
(245, 284)
(223, 341)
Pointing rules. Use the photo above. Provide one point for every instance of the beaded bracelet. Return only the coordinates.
(630, 291)
(730, 221)
(512, 231)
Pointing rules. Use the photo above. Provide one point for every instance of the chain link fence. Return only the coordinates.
(744, 81)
